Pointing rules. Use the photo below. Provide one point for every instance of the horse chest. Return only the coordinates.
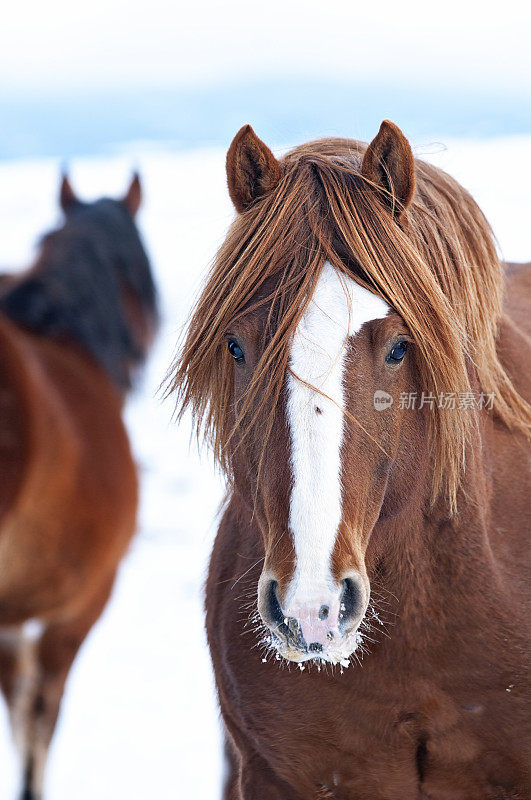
(354, 736)
(410, 723)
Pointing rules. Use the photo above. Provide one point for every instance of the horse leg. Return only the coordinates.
(249, 776)
(34, 694)
(10, 644)
(19, 675)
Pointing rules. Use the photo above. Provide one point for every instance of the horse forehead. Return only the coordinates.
(337, 311)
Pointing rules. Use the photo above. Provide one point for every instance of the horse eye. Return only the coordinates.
(397, 353)
(236, 351)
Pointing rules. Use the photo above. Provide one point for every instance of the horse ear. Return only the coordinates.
(252, 169)
(67, 196)
(388, 164)
(133, 197)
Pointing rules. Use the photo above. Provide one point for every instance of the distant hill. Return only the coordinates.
(281, 111)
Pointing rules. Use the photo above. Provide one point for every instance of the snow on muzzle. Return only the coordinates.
(314, 621)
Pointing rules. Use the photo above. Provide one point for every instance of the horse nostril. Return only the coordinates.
(274, 609)
(324, 612)
(315, 647)
(350, 600)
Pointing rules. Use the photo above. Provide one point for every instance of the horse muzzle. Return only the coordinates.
(319, 622)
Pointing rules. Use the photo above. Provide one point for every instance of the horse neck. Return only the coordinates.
(142, 321)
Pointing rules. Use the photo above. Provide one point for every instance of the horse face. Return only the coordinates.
(332, 467)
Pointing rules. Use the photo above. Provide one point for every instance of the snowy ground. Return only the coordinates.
(139, 718)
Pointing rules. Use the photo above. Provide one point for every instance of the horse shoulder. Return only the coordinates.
(15, 402)
(103, 498)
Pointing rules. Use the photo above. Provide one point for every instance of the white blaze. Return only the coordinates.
(338, 309)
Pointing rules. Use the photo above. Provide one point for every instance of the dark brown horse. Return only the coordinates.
(72, 331)
(359, 360)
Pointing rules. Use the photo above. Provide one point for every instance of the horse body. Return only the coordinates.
(438, 706)
(76, 483)
(365, 603)
(72, 330)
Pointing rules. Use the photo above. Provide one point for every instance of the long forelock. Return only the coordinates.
(440, 272)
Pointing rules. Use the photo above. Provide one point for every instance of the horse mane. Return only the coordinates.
(77, 289)
(439, 269)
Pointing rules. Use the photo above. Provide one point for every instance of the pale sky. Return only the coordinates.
(63, 44)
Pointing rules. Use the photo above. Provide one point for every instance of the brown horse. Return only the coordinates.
(357, 361)
(72, 331)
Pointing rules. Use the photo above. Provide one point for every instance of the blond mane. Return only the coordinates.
(438, 269)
